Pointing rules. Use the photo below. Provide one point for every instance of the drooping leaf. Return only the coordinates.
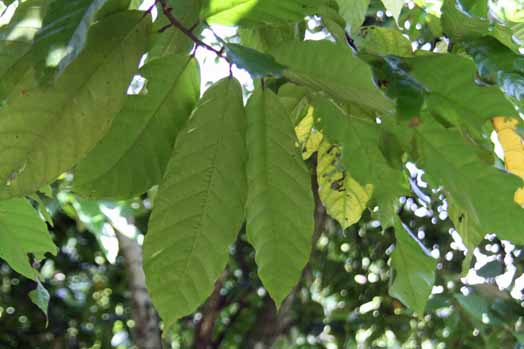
(40, 297)
(258, 12)
(35, 150)
(414, 271)
(342, 196)
(394, 6)
(280, 203)
(354, 12)
(449, 81)
(199, 208)
(257, 64)
(471, 183)
(361, 155)
(133, 155)
(348, 79)
(22, 232)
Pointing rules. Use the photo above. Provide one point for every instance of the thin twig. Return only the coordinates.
(188, 32)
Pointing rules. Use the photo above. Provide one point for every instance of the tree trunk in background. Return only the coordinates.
(147, 323)
(204, 329)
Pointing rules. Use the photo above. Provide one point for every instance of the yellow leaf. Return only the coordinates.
(513, 147)
(344, 198)
(309, 138)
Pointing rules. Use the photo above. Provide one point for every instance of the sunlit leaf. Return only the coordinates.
(280, 203)
(342, 196)
(43, 139)
(133, 155)
(199, 208)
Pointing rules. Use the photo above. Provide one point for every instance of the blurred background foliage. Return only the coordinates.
(342, 300)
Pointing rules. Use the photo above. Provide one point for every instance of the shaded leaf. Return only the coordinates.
(40, 297)
(354, 12)
(257, 64)
(22, 232)
(414, 271)
(469, 182)
(348, 79)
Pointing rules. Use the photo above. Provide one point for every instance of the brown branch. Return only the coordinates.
(188, 31)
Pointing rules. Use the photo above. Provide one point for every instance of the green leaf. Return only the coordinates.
(394, 6)
(361, 155)
(295, 100)
(414, 271)
(199, 208)
(344, 198)
(280, 204)
(385, 41)
(453, 94)
(354, 12)
(263, 38)
(498, 64)
(483, 192)
(40, 297)
(63, 34)
(16, 41)
(132, 157)
(259, 12)
(22, 232)
(460, 25)
(35, 150)
(257, 64)
(347, 79)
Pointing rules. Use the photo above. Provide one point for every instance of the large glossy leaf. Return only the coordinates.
(460, 25)
(257, 64)
(452, 93)
(414, 271)
(257, 12)
(22, 232)
(280, 204)
(348, 79)
(471, 183)
(199, 208)
(16, 40)
(498, 64)
(40, 140)
(361, 155)
(133, 155)
(342, 196)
